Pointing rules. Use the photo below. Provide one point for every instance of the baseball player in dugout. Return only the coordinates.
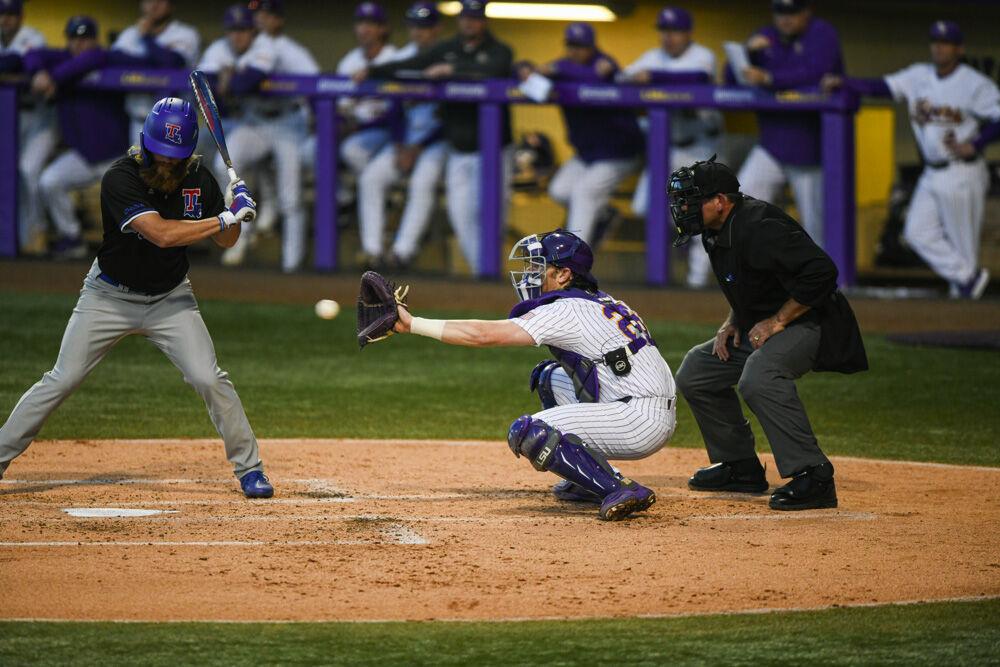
(796, 51)
(155, 201)
(474, 53)
(786, 317)
(608, 142)
(955, 114)
(608, 394)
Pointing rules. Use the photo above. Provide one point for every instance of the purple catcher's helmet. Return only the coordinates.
(171, 129)
(559, 248)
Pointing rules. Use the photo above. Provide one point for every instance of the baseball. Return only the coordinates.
(327, 309)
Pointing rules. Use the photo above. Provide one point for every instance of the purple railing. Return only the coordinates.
(837, 113)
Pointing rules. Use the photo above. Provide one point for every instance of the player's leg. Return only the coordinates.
(640, 198)
(373, 184)
(462, 185)
(962, 207)
(68, 172)
(768, 387)
(761, 176)
(707, 384)
(924, 229)
(247, 148)
(561, 186)
(618, 430)
(420, 201)
(175, 326)
(807, 186)
(286, 139)
(359, 148)
(553, 384)
(100, 319)
(566, 455)
(591, 191)
(39, 139)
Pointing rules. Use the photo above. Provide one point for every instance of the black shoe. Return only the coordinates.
(811, 489)
(743, 476)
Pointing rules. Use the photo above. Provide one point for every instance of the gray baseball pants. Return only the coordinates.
(765, 378)
(103, 316)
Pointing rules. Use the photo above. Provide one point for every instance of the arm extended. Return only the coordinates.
(469, 333)
(174, 233)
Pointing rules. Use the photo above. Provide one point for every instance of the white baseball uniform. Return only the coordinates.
(636, 413)
(423, 129)
(37, 137)
(945, 219)
(178, 37)
(361, 146)
(462, 185)
(274, 128)
(693, 137)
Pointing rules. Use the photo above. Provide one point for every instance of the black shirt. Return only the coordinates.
(489, 59)
(126, 256)
(762, 257)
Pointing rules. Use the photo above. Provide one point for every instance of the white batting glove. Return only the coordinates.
(235, 187)
(242, 209)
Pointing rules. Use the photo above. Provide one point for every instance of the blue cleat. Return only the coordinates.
(630, 498)
(574, 493)
(255, 485)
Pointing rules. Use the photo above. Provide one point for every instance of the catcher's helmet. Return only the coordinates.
(171, 129)
(689, 187)
(558, 248)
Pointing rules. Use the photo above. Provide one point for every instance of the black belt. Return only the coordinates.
(626, 399)
(944, 164)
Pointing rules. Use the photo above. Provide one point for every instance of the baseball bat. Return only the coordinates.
(210, 112)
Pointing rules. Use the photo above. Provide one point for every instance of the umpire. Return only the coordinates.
(786, 318)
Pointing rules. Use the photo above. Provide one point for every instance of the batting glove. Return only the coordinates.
(243, 209)
(235, 187)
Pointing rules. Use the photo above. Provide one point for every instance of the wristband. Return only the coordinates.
(430, 328)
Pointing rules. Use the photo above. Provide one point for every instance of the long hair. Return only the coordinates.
(581, 283)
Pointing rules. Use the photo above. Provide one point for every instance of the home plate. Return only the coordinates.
(111, 512)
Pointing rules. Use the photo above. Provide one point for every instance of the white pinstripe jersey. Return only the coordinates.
(591, 330)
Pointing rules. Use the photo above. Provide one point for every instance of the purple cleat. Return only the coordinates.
(630, 498)
(574, 493)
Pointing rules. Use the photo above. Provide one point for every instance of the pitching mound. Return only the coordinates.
(359, 530)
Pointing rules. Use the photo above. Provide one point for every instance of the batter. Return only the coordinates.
(154, 202)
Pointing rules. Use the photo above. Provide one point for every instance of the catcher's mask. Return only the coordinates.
(536, 251)
(689, 187)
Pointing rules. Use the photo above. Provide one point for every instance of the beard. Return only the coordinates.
(165, 177)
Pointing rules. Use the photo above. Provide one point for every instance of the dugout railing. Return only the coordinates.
(835, 110)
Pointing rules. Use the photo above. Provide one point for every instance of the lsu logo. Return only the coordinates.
(173, 132)
(192, 202)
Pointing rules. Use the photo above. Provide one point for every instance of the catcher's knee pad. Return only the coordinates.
(533, 439)
(541, 379)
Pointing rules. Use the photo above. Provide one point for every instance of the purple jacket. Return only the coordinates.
(794, 139)
(598, 133)
(92, 122)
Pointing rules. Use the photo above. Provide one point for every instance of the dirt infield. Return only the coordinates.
(364, 530)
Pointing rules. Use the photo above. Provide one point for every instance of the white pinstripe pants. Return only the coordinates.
(618, 430)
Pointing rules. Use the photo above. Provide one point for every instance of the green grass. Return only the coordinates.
(929, 634)
(301, 376)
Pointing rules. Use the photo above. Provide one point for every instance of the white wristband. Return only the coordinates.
(430, 328)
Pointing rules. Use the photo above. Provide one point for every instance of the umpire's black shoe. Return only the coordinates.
(743, 476)
(811, 489)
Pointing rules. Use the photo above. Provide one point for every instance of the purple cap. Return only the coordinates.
(171, 129)
(423, 14)
(674, 18)
(946, 31)
(475, 9)
(11, 7)
(81, 26)
(272, 6)
(580, 34)
(371, 12)
(788, 6)
(567, 250)
(237, 17)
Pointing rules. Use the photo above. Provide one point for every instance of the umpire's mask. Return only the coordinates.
(689, 187)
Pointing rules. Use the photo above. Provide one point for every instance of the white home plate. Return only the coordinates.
(111, 512)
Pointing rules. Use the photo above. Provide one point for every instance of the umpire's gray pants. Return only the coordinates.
(171, 321)
(765, 379)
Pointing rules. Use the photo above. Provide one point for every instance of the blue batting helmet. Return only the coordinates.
(171, 129)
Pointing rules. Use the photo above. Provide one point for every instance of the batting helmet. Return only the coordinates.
(558, 248)
(171, 129)
(689, 187)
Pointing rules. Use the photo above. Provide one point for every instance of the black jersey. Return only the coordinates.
(125, 255)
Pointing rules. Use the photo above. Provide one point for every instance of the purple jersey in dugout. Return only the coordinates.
(598, 133)
(802, 61)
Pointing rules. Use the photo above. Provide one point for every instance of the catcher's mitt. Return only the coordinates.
(377, 303)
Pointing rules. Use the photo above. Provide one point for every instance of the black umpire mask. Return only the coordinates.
(689, 187)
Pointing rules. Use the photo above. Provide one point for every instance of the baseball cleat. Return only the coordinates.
(976, 286)
(567, 490)
(743, 476)
(256, 485)
(625, 501)
(812, 489)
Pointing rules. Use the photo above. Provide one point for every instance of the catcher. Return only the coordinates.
(608, 394)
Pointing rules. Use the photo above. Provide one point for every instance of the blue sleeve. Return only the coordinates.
(76, 67)
(246, 81)
(36, 60)
(11, 62)
(161, 56)
(987, 133)
(876, 87)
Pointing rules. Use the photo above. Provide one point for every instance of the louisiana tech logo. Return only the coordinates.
(192, 203)
(172, 132)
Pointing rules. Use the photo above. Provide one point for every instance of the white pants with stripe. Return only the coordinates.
(584, 188)
(618, 430)
(945, 220)
(421, 194)
(68, 172)
(462, 184)
(762, 177)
